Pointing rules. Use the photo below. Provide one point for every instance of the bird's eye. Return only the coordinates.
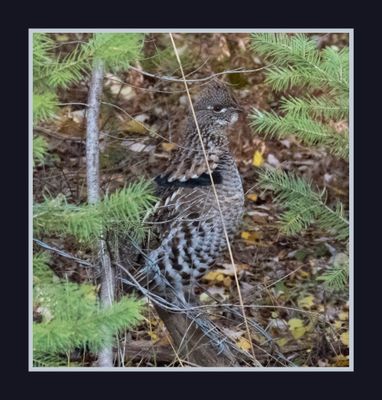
(219, 109)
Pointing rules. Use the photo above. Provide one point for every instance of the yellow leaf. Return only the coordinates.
(153, 336)
(134, 126)
(245, 235)
(341, 361)
(296, 327)
(168, 146)
(252, 237)
(345, 338)
(282, 342)
(210, 276)
(258, 159)
(244, 344)
(252, 196)
(214, 276)
(337, 324)
(343, 316)
(306, 302)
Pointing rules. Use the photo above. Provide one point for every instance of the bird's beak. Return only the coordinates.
(238, 108)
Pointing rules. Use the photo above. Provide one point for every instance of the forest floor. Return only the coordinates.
(278, 274)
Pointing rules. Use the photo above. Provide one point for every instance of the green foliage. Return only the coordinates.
(116, 50)
(62, 72)
(317, 120)
(56, 216)
(44, 106)
(312, 132)
(51, 71)
(119, 212)
(40, 147)
(71, 314)
(318, 107)
(72, 317)
(41, 271)
(296, 62)
(337, 275)
(303, 205)
(124, 210)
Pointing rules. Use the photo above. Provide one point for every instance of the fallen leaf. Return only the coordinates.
(282, 342)
(213, 276)
(252, 196)
(245, 235)
(345, 338)
(337, 324)
(343, 316)
(134, 126)
(244, 344)
(341, 361)
(258, 159)
(251, 237)
(296, 327)
(306, 302)
(153, 336)
(168, 146)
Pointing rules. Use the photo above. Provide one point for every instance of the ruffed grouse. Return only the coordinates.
(186, 220)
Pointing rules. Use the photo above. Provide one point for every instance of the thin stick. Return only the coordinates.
(207, 78)
(105, 356)
(217, 200)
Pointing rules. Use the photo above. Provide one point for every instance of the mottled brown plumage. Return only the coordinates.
(186, 220)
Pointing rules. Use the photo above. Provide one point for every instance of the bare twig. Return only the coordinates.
(105, 356)
(62, 253)
(207, 78)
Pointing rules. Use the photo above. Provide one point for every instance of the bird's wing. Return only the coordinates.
(177, 202)
(191, 166)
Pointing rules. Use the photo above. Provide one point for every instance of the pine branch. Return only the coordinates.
(72, 317)
(120, 212)
(41, 270)
(62, 73)
(40, 147)
(337, 276)
(310, 131)
(282, 78)
(96, 329)
(116, 50)
(299, 62)
(56, 216)
(336, 65)
(287, 49)
(303, 205)
(44, 106)
(317, 107)
(42, 49)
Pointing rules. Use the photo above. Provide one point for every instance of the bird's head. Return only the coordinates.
(216, 108)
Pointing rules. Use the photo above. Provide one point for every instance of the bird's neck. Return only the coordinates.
(214, 139)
